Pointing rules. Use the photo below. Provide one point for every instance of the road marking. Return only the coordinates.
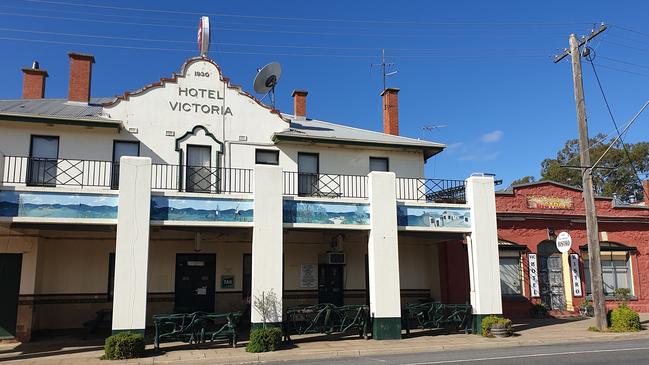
(524, 356)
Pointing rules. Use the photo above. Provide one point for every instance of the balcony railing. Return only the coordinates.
(46, 172)
(325, 185)
(201, 179)
(431, 190)
(35, 171)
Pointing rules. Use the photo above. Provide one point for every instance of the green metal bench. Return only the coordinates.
(437, 315)
(326, 319)
(195, 328)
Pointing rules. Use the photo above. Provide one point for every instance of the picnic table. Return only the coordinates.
(326, 318)
(437, 315)
(195, 328)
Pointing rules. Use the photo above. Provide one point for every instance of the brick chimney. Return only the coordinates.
(390, 111)
(299, 102)
(34, 82)
(80, 77)
(645, 188)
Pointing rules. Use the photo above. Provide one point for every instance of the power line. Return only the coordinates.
(262, 45)
(625, 71)
(328, 55)
(369, 21)
(590, 59)
(624, 62)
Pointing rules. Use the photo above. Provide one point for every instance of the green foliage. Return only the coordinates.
(624, 319)
(264, 339)
(523, 180)
(622, 295)
(124, 345)
(538, 310)
(621, 180)
(593, 329)
(490, 322)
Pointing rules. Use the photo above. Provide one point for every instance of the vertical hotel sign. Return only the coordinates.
(576, 277)
(534, 275)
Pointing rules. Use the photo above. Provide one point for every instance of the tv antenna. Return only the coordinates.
(432, 127)
(385, 68)
(266, 80)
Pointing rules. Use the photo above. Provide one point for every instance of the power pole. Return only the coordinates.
(592, 231)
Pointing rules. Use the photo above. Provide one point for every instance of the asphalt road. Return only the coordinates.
(614, 352)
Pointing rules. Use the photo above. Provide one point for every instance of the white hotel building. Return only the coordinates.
(190, 194)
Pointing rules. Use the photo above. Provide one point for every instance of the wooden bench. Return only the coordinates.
(326, 319)
(437, 315)
(195, 328)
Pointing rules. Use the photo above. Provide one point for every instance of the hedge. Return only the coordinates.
(124, 345)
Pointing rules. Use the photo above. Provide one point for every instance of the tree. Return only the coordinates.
(614, 175)
(524, 180)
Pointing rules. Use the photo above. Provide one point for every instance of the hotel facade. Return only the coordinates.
(190, 194)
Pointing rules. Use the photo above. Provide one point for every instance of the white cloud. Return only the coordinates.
(492, 137)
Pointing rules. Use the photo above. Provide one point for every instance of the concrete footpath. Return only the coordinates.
(66, 350)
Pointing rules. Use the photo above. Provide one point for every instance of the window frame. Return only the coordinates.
(519, 275)
(387, 163)
(265, 150)
(30, 161)
(606, 256)
(114, 178)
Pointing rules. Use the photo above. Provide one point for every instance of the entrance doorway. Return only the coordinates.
(195, 282)
(551, 276)
(330, 284)
(10, 265)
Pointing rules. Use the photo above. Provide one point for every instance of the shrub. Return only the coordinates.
(124, 345)
(538, 310)
(624, 319)
(490, 322)
(622, 295)
(264, 339)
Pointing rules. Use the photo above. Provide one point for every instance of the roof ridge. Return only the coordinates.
(370, 131)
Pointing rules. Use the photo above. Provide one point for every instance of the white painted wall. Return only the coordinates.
(132, 247)
(484, 268)
(267, 245)
(383, 247)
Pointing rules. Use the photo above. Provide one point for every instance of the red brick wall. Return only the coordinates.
(34, 83)
(391, 111)
(629, 226)
(80, 77)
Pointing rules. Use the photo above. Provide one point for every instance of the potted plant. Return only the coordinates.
(586, 308)
(495, 326)
(538, 310)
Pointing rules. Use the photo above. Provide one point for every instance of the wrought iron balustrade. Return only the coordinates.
(325, 185)
(431, 190)
(52, 172)
(201, 179)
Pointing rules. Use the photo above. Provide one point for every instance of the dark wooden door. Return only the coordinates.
(551, 282)
(10, 265)
(195, 282)
(330, 284)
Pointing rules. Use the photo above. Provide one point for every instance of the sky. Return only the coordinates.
(477, 76)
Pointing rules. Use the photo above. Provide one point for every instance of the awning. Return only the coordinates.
(610, 246)
(510, 246)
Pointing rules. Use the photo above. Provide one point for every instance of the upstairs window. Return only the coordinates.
(120, 149)
(266, 157)
(379, 164)
(43, 161)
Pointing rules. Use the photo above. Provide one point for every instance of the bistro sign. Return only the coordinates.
(548, 202)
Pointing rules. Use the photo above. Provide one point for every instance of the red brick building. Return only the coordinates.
(530, 217)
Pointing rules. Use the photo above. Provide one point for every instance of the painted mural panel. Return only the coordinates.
(57, 205)
(315, 212)
(165, 208)
(434, 217)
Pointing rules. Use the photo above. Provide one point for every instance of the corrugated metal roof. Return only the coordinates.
(321, 130)
(56, 109)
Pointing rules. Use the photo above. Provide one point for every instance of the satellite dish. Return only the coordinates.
(204, 35)
(266, 79)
